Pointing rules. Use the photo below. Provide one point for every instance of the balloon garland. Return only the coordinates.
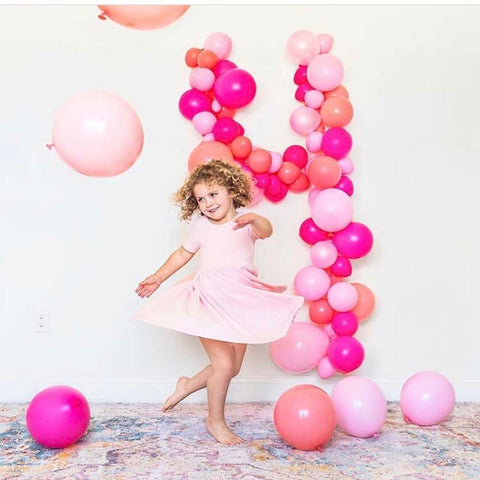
(218, 89)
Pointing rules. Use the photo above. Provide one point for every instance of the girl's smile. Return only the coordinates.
(215, 202)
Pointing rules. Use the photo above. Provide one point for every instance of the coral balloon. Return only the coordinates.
(259, 160)
(336, 143)
(58, 416)
(346, 354)
(336, 111)
(300, 349)
(207, 151)
(288, 172)
(97, 134)
(219, 43)
(366, 302)
(207, 59)
(191, 57)
(304, 417)
(340, 91)
(193, 101)
(241, 147)
(325, 72)
(143, 17)
(332, 210)
(301, 184)
(360, 406)
(354, 241)
(310, 233)
(302, 46)
(235, 88)
(427, 398)
(312, 282)
(321, 312)
(324, 172)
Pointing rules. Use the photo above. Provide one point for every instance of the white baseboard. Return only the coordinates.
(242, 389)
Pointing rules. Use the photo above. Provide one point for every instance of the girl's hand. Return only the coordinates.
(244, 220)
(147, 286)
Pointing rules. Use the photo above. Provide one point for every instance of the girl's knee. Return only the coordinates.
(225, 366)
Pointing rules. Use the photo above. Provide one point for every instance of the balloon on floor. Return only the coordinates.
(58, 416)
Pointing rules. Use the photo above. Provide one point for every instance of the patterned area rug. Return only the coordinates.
(137, 441)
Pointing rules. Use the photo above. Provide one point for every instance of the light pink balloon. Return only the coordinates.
(332, 210)
(323, 254)
(314, 99)
(219, 43)
(204, 122)
(304, 120)
(276, 162)
(209, 137)
(360, 406)
(312, 282)
(202, 79)
(302, 46)
(301, 349)
(326, 42)
(216, 107)
(325, 369)
(257, 195)
(325, 72)
(427, 398)
(342, 296)
(97, 134)
(328, 329)
(312, 195)
(347, 165)
(314, 142)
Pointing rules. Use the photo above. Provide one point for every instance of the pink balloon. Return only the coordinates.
(277, 190)
(312, 282)
(310, 233)
(202, 78)
(301, 349)
(304, 120)
(347, 165)
(276, 162)
(314, 98)
(360, 406)
(204, 122)
(427, 398)
(209, 136)
(302, 46)
(323, 254)
(219, 43)
(336, 142)
(97, 134)
(345, 324)
(216, 107)
(312, 195)
(143, 17)
(225, 130)
(222, 67)
(58, 416)
(346, 354)
(332, 210)
(302, 90)
(314, 141)
(300, 75)
(262, 180)
(192, 102)
(325, 369)
(325, 72)
(354, 241)
(257, 195)
(342, 296)
(326, 42)
(342, 267)
(296, 154)
(235, 88)
(345, 184)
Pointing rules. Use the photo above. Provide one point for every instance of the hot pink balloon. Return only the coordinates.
(302, 46)
(314, 141)
(222, 67)
(300, 75)
(97, 134)
(323, 254)
(219, 43)
(342, 296)
(312, 282)
(235, 88)
(344, 324)
(332, 210)
(360, 406)
(354, 241)
(262, 180)
(296, 154)
(302, 90)
(193, 101)
(301, 349)
(304, 120)
(204, 122)
(346, 185)
(225, 130)
(325, 72)
(325, 369)
(202, 78)
(310, 233)
(58, 416)
(346, 354)
(427, 398)
(336, 142)
(342, 267)
(277, 190)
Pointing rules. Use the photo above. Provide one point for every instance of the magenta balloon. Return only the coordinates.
(301, 349)
(345, 324)
(310, 233)
(312, 282)
(235, 88)
(296, 154)
(225, 130)
(346, 354)
(336, 143)
(300, 75)
(58, 416)
(222, 67)
(342, 267)
(262, 180)
(301, 90)
(192, 102)
(354, 241)
(346, 185)
(276, 190)
(97, 134)
(427, 398)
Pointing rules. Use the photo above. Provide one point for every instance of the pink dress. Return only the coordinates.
(224, 299)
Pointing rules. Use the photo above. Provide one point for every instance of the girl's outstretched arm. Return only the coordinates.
(260, 225)
(174, 262)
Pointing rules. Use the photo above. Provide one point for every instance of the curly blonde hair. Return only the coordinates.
(225, 174)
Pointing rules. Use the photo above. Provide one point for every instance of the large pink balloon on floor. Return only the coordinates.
(332, 210)
(300, 349)
(207, 151)
(143, 17)
(360, 406)
(58, 416)
(427, 398)
(304, 417)
(354, 241)
(235, 88)
(97, 134)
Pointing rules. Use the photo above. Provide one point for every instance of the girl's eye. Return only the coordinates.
(213, 194)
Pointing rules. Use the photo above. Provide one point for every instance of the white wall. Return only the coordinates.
(77, 246)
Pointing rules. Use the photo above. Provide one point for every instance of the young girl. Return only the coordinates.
(224, 303)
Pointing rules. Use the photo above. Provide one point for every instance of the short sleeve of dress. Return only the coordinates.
(253, 234)
(192, 243)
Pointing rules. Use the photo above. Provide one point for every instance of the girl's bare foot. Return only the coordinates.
(222, 433)
(177, 396)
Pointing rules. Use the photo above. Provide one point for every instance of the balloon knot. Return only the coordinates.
(50, 145)
(102, 16)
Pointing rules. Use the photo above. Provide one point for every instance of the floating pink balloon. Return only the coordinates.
(344, 324)
(192, 102)
(354, 241)
(218, 43)
(301, 349)
(204, 122)
(310, 233)
(332, 210)
(342, 296)
(312, 282)
(325, 72)
(302, 46)
(202, 79)
(235, 88)
(346, 354)
(336, 142)
(323, 254)
(304, 120)
(97, 134)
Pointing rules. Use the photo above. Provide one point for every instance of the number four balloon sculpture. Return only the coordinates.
(218, 89)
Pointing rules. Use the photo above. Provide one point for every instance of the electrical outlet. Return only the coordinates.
(41, 322)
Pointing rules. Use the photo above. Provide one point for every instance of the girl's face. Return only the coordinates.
(214, 201)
